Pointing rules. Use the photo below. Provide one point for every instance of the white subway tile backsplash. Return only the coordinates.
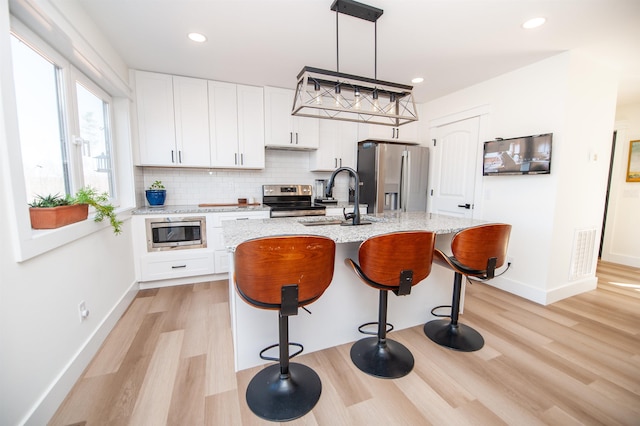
(194, 186)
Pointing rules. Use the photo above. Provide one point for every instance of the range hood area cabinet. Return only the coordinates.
(284, 131)
(236, 119)
(405, 133)
(191, 122)
(338, 146)
(173, 122)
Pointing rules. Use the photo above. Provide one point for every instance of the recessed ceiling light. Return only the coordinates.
(197, 37)
(533, 23)
(417, 80)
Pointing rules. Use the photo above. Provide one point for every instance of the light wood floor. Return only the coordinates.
(169, 361)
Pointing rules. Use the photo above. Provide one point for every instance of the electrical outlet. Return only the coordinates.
(83, 311)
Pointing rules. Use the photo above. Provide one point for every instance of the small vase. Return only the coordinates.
(156, 197)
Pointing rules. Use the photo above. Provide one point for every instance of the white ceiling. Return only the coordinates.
(451, 43)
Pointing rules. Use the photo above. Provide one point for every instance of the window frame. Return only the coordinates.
(27, 242)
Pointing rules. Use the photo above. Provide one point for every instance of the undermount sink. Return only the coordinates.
(320, 222)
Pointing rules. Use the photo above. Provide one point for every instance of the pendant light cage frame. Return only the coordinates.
(338, 96)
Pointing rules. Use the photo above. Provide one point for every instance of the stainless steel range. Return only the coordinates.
(290, 201)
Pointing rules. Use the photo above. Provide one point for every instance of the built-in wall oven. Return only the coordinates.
(172, 233)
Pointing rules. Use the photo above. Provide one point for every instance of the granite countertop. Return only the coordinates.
(196, 209)
(183, 209)
(236, 232)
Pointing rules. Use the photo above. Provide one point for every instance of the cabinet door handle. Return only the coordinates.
(178, 266)
(180, 157)
(235, 159)
(341, 162)
(241, 159)
(290, 137)
(335, 162)
(172, 158)
(296, 138)
(397, 133)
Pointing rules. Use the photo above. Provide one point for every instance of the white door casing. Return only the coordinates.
(455, 163)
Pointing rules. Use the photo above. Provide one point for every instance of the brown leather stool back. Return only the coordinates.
(264, 265)
(383, 257)
(472, 247)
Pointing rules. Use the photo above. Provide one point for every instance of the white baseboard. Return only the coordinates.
(544, 297)
(571, 289)
(47, 405)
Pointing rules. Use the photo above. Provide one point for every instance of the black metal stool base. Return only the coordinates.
(459, 337)
(388, 360)
(274, 398)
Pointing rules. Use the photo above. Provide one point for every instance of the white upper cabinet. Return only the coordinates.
(173, 120)
(192, 121)
(284, 131)
(236, 117)
(338, 141)
(251, 126)
(156, 122)
(223, 124)
(405, 133)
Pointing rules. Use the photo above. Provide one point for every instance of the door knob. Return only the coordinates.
(466, 206)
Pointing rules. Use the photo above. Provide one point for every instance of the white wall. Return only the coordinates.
(622, 232)
(43, 345)
(575, 100)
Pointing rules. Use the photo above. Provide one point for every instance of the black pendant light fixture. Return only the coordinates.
(339, 96)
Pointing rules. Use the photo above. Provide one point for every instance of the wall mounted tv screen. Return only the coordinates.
(527, 155)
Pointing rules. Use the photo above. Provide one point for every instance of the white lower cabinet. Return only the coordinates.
(187, 263)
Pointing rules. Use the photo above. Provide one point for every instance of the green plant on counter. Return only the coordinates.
(100, 202)
(156, 185)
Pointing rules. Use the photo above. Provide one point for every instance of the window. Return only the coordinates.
(60, 128)
(64, 124)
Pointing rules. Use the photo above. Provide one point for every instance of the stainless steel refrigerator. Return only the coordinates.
(393, 176)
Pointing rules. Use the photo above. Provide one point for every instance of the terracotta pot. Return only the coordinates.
(55, 217)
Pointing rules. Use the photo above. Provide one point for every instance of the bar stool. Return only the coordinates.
(477, 252)
(284, 273)
(390, 262)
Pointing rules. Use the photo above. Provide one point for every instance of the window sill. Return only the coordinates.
(37, 242)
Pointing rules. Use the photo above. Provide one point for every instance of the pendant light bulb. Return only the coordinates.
(318, 95)
(338, 96)
(356, 94)
(376, 102)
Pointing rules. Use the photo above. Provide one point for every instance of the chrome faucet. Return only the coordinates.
(355, 216)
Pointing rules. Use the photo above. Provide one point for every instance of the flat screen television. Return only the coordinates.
(527, 155)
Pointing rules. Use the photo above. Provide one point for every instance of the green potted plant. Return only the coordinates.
(54, 211)
(156, 194)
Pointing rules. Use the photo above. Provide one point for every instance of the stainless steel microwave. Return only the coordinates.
(172, 233)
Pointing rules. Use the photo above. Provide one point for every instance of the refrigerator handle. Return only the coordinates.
(404, 163)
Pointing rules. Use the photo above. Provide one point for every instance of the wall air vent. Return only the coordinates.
(583, 258)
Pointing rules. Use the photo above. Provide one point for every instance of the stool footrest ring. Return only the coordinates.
(441, 315)
(372, 333)
(268, 358)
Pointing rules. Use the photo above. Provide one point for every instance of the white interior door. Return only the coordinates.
(455, 163)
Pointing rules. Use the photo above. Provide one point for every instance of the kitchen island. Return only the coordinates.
(348, 302)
